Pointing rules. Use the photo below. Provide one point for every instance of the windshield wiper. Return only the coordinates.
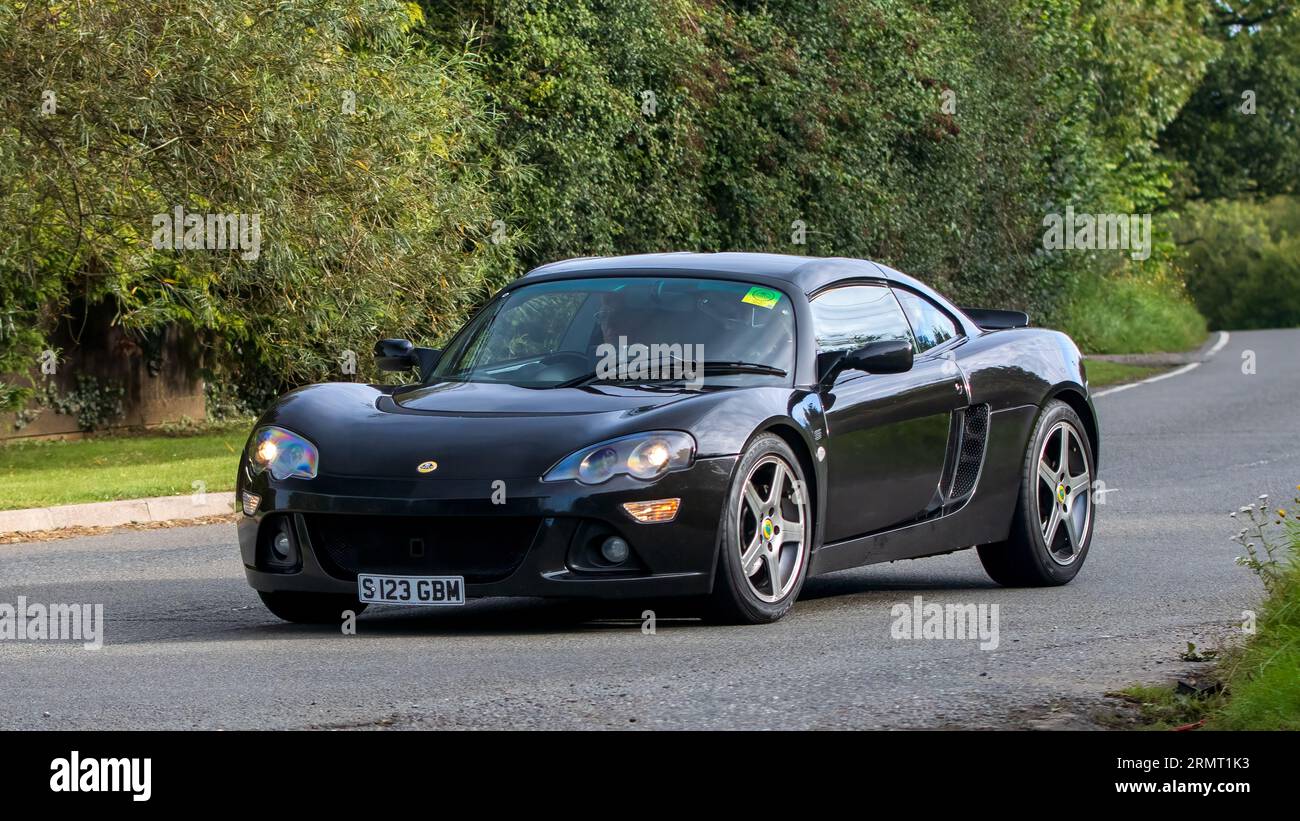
(714, 366)
(708, 367)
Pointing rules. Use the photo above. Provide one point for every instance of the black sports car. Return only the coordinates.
(719, 426)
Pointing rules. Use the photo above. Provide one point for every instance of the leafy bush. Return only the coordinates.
(832, 115)
(1242, 261)
(373, 223)
(94, 404)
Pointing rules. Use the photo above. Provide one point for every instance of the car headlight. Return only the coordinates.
(283, 452)
(646, 456)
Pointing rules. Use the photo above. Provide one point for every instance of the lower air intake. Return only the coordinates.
(481, 548)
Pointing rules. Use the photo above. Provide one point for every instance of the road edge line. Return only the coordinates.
(1218, 346)
(1224, 336)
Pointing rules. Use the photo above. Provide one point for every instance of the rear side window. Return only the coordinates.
(848, 318)
(930, 324)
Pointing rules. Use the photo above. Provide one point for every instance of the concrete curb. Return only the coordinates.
(111, 514)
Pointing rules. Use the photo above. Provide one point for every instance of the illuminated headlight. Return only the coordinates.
(282, 452)
(646, 456)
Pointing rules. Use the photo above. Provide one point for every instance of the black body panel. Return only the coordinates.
(889, 445)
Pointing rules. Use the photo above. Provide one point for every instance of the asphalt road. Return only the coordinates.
(188, 644)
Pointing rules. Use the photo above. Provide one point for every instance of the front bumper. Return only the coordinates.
(533, 539)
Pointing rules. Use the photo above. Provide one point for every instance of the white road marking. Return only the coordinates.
(1218, 346)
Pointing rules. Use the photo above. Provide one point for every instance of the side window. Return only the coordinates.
(930, 324)
(850, 317)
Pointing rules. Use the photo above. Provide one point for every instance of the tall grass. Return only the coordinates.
(1130, 314)
(1263, 679)
(1264, 682)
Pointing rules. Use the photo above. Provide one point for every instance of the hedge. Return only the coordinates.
(492, 135)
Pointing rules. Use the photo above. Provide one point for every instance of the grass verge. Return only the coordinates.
(1257, 686)
(1164, 708)
(1102, 373)
(1263, 680)
(100, 469)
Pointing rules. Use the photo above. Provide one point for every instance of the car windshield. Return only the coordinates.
(631, 330)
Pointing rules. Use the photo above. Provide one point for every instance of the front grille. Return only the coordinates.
(481, 548)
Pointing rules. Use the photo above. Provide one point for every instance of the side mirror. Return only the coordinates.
(886, 356)
(395, 355)
(401, 355)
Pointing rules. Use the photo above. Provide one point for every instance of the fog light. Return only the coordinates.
(659, 510)
(282, 547)
(614, 550)
(250, 502)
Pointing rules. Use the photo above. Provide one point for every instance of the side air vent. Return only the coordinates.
(974, 432)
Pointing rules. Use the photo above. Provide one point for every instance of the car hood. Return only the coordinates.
(471, 430)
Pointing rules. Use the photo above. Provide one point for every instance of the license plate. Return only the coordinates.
(414, 590)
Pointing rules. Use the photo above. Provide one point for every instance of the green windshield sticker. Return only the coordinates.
(762, 297)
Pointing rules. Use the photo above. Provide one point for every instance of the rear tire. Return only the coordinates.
(310, 608)
(765, 535)
(1051, 529)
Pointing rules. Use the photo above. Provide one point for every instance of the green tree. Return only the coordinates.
(353, 146)
(1240, 133)
(1242, 261)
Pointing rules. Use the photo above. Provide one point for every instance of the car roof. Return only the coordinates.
(807, 274)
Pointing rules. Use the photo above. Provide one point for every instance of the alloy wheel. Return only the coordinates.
(1064, 493)
(773, 525)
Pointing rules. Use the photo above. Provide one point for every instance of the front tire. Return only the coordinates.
(1051, 529)
(765, 538)
(310, 608)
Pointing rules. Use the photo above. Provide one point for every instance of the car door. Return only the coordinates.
(887, 434)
